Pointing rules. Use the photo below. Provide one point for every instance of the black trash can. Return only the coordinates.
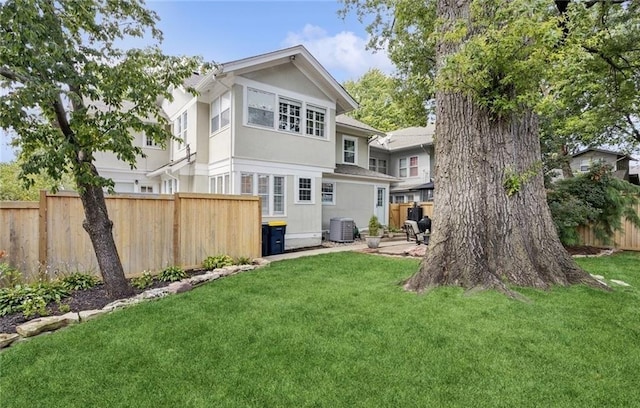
(414, 213)
(265, 239)
(277, 230)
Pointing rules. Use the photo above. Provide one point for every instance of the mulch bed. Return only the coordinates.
(79, 300)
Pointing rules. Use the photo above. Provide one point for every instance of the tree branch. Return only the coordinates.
(634, 130)
(12, 76)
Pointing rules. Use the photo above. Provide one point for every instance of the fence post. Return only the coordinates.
(176, 229)
(42, 232)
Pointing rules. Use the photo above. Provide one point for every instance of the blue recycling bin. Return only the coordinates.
(277, 230)
(265, 239)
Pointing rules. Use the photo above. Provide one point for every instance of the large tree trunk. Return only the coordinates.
(99, 227)
(484, 237)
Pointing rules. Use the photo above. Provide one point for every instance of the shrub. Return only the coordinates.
(143, 281)
(595, 199)
(80, 281)
(218, 261)
(243, 260)
(31, 299)
(374, 226)
(9, 276)
(172, 274)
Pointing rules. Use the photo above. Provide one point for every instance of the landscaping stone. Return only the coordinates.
(43, 324)
(418, 251)
(230, 270)
(206, 277)
(7, 338)
(261, 262)
(119, 304)
(153, 293)
(179, 287)
(245, 268)
(72, 317)
(90, 314)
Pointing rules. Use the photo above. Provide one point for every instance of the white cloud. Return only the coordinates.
(344, 54)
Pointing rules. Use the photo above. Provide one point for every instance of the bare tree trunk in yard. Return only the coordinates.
(99, 227)
(482, 237)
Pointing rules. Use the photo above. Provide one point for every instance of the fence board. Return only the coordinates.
(145, 229)
(627, 239)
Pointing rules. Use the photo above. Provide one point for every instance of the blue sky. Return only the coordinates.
(223, 31)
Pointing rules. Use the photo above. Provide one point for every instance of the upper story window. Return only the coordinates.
(149, 142)
(181, 128)
(289, 115)
(294, 116)
(260, 105)
(220, 112)
(408, 166)
(349, 150)
(315, 121)
(379, 165)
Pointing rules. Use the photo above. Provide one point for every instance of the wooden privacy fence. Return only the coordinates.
(398, 212)
(628, 238)
(151, 232)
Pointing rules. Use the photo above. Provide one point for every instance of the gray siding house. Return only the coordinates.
(272, 126)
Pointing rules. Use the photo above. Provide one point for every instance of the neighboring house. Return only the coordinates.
(271, 126)
(581, 161)
(408, 155)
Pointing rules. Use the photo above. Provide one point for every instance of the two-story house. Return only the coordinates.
(271, 125)
(408, 155)
(618, 161)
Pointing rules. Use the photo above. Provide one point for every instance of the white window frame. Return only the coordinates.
(355, 149)
(331, 193)
(219, 107)
(374, 165)
(414, 167)
(149, 143)
(181, 126)
(312, 187)
(290, 114)
(319, 129)
(247, 180)
(263, 108)
(149, 189)
(401, 167)
(219, 184)
(268, 198)
(169, 186)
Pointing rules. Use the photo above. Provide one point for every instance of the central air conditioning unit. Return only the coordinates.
(341, 230)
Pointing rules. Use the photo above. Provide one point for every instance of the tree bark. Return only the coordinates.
(482, 236)
(99, 227)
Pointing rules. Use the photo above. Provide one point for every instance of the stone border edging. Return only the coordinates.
(48, 324)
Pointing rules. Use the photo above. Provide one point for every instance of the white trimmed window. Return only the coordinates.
(315, 121)
(146, 189)
(219, 184)
(304, 190)
(271, 190)
(413, 166)
(379, 165)
(289, 119)
(328, 193)
(349, 150)
(149, 142)
(584, 165)
(246, 183)
(402, 167)
(181, 129)
(293, 116)
(169, 186)
(260, 107)
(220, 112)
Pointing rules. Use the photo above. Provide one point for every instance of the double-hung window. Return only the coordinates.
(149, 142)
(289, 119)
(271, 192)
(261, 105)
(246, 183)
(402, 167)
(413, 166)
(349, 150)
(181, 128)
(220, 112)
(304, 191)
(315, 121)
(379, 165)
(328, 193)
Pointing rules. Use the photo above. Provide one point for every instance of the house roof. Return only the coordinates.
(351, 170)
(406, 138)
(350, 122)
(297, 55)
(619, 155)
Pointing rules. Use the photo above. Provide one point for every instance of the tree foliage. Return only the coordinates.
(596, 199)
(11, 189)
(382, 104)
(71, 91)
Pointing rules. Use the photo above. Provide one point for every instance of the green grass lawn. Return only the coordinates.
(337, 330)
